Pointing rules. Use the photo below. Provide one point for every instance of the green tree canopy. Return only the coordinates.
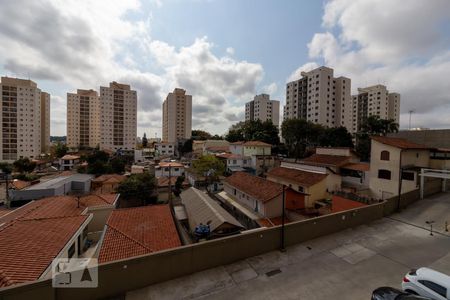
(138, 188)
(374, 125)
(300, 134)
(254, 131)
(200, 135)
(6, 168)
(24, 165)
(60, 150)
(208, 164)
(335, 137)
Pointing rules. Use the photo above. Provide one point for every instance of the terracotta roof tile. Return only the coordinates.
(357, 166)
(170, 164)
(70, 157)
(27, 247)
(19, 184)
(300, 177)
(109, 178)
(257, 187)
(326, 160)
(136, 231)
(164, 181)
(399, 143)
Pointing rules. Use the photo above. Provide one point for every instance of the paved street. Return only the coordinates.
(346, 265)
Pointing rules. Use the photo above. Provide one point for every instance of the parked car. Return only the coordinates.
(427, 282)
(389, 293)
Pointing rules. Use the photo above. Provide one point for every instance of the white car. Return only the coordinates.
(427, 282)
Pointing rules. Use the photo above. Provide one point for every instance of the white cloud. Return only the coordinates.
(70, 44)
(400, 44)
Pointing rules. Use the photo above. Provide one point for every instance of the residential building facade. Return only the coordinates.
(320, 97)
(374, 101)
(118, 110)
(177, 116)
(264, 109)
(23, 120)
(83, 119)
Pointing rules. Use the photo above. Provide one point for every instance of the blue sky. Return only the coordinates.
(223, 52)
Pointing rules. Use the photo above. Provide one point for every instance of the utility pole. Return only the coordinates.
(170, 185)
(410, 113)
(282, 247)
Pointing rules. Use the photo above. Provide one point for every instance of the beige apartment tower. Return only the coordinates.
(320, 97)
(177, 116)
(118, 111)
(108, 120)
(25, 129)
(374, 100)
(264, 109)
(83, 119)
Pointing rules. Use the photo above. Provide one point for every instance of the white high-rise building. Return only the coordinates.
(177, 116)
(320, 97)
(374, 100)
(108, 121)
(262, 108)
(22, 119)
(83, 119)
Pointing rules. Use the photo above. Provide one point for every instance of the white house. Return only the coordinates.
(68, 162)
(172, 169)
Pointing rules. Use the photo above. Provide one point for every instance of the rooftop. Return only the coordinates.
(257, 144)
(201, 208)
(28, 247)
(326, 160)
(109, 178)
(257, 187)
(58, 181)
(70, 157)
(171, 164)
(137, 231)
(399, 143)
(300, 177)
(357, 166)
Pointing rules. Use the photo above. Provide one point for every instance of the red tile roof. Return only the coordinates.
(357, 166)
(137, 231)
(19, 184)
(399, 143)
(109, 178)
(237, 143)
(218, 148)
(57, 206)
(300, 177)
(164, 181)
(326, 160)
(342, 204)
(257, 187)
(170, 164)
(70, 157)
(28, 246)
(257, 143)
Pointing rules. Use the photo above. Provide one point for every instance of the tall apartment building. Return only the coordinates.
(374, 100)
(108, 121)
(83, 119)
(262, 108)
(118, 111)
(321, 98)
(177, 116)
(45, 122)
(21, 117)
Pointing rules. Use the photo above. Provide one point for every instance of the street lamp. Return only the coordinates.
(431, 226)
(282, 246)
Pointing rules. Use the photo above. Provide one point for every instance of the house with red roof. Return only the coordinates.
(259, 195)
(32, 236)
(138, 231)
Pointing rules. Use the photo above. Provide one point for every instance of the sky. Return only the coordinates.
(223, 52)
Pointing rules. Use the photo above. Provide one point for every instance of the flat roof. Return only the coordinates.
(58, 181)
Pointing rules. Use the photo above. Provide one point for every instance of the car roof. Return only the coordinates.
(435, 276)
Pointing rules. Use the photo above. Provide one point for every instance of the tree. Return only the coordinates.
(60, 150)
(144, 141)
(118, 164)
(372, 126)
(98, 156)
(254, 130)
(6, 169)
(208, 163)
(178, 185)
(200, 135)
(138, 188)
(335, 137)
(24, 165)
(186, 147)
(300, 134)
